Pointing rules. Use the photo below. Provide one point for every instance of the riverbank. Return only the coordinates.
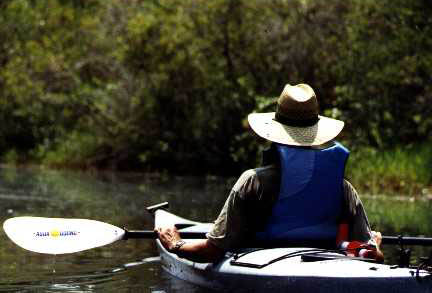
(400, 172)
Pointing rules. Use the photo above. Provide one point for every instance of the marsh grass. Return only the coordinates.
(401, 171)
(399, 216)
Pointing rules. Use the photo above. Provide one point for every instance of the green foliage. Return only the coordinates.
(168, 85)
(396, 215)
(405, 171)
(384, 71)
(11, 157)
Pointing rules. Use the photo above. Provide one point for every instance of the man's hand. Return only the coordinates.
(168, 236)
(200, 250)
(377, 237)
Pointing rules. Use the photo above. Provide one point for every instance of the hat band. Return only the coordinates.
(296, 122)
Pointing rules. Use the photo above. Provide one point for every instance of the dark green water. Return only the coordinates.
(120, 199)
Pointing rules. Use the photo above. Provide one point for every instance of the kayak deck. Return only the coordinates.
(286, 269)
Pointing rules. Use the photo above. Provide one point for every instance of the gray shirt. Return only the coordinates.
(250, 203)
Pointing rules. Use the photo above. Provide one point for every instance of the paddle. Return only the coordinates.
(407, 240)
(60, 236)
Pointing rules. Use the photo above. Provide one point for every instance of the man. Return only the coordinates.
(299, 195)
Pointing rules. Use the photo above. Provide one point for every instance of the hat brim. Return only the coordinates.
(323, 131)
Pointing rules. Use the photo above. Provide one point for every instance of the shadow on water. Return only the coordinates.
(120, 199)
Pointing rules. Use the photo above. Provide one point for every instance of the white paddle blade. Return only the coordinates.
(59, 236)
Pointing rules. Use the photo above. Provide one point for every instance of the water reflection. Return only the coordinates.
(120, 199)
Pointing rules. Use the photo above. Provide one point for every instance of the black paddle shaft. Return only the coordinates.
(407, 240)
(153, 235)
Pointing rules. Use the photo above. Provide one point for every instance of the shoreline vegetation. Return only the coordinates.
(165, 86)
(401, 173)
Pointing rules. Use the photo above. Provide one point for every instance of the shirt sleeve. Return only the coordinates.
(355, 214)
(231, 226)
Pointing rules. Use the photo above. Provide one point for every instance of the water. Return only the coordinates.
(124, 266)
(119, 199)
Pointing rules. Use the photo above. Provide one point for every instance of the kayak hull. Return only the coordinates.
(248, 272)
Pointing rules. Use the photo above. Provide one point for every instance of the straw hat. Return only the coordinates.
(296, 121)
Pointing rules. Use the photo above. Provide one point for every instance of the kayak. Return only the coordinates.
(293, 269)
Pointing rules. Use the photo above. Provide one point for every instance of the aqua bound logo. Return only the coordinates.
(55, 233)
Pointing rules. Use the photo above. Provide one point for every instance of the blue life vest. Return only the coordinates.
(310, 197)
